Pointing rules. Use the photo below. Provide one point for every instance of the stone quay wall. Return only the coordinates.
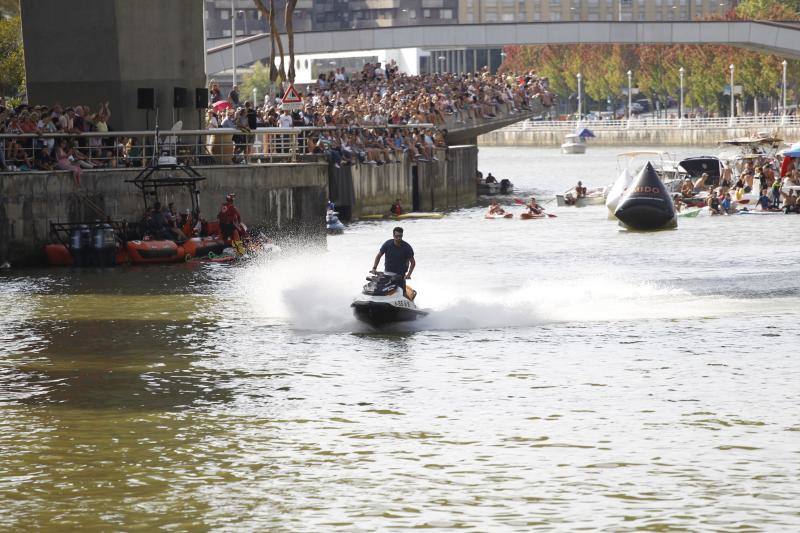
(448, 183)
(287, 200)
(631, 137)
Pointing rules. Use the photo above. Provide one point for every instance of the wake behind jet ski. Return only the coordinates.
(385, 301)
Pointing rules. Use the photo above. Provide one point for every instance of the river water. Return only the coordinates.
(570, 376)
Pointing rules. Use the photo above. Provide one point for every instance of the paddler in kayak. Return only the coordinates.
(496, 210)
(533, 207)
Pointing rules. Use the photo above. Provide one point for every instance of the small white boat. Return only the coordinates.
(488, 189)
(573, 144)
(593, 197)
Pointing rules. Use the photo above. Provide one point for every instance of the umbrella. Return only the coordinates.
(585, 132)
(221, 105)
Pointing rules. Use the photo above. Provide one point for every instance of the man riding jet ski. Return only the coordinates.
(386, 298)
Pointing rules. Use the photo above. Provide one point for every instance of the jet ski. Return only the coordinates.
(382, 301)
(333, 225)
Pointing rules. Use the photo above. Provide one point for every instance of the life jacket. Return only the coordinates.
(228, 214)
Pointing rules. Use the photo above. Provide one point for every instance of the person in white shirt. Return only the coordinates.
(285, 120)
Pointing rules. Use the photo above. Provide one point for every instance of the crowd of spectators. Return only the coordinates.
(758, 184)
(36, 151)
(372, 116)
(366, 107)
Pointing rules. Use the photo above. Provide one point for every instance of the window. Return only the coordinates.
(226, 33)
(508, 17)
(445, 13)
(224, 14)
(555, 15)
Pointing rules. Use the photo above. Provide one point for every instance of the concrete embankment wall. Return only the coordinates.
(633, 137)
(449, 183)
(288, 200)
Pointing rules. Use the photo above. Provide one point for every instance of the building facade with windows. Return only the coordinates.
(326, 15)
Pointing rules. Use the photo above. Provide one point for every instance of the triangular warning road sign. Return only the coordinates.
(291, 96)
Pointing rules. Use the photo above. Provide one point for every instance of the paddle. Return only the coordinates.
(520, 201)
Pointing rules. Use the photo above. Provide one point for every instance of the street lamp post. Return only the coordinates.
(630, 74)
(580, 107)
(244, 19)
(233, 43)
(441, 63)
(733, 102)
(680, 108)
(783, 91)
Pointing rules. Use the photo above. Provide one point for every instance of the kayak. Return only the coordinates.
(492, 217)
(429, 216)
(404, 216)
(529, 216)
(692, 213)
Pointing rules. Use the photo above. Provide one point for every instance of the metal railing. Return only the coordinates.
(219, 146)
(788, 121)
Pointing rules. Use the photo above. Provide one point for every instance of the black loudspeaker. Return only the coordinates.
(201, 98)
(145, 98)
(179, 97)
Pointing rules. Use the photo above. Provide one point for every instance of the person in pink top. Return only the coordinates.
(64, 162)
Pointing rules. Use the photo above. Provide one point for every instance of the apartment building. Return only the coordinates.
(326, 15)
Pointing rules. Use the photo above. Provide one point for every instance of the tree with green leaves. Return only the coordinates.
(768, 10)
(9, 8)
(12, 58)
(259, 80)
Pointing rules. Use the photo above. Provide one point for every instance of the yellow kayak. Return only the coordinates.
(405, 216)
(432, 216)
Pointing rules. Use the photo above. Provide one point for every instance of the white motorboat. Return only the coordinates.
(504, 186)
(573, 144)
(593, 197)
(383, 301)
(488, 189)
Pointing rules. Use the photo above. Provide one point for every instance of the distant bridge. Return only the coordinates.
(780, 38)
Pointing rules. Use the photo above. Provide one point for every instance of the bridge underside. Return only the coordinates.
(768, 37)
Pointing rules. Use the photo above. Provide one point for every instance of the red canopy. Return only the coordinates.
(221, 105)
(785, 165)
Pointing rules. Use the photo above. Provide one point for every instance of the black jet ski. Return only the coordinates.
(382, 301)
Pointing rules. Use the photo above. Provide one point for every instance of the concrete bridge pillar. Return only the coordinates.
(91, 51)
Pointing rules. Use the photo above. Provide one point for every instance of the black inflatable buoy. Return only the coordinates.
(646, 205)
